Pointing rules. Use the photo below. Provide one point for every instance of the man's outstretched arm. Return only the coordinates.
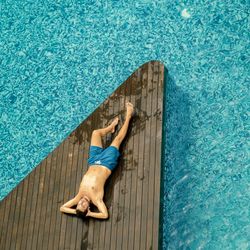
(103, 214)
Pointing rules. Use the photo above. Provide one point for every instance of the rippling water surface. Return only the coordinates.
(60, 60)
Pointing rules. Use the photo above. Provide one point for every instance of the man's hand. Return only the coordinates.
(103, 214)
(88, 213)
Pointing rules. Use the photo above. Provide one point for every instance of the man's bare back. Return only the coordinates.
(92, 185)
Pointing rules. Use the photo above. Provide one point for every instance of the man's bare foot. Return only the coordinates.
(130, 108)
(113, 124)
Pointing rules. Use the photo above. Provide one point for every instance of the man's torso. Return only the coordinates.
(93, 181)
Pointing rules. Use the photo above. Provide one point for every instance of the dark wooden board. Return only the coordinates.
(30, 215)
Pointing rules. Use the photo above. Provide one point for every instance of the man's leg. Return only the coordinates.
(123, 131)
(96, 138)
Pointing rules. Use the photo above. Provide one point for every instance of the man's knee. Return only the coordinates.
(95, 132)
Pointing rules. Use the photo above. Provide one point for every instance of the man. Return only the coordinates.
(101, 163)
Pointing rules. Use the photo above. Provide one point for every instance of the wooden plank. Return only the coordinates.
(74, 188)
(49, 202)
(15, 216)
(146, 153)
(141, 162)
(91, 221)
(30, 213)
(72, 193)
(110, 182)
(159, 153)
(55, 206)
(11, 225)
(66, 219)
(61, 199)
(82, 225)
(39, 206)
(45, 209)
(27, 211)
(99, 123)
(98, 228)
(5, 214)
(103, 226)
(125, 147)
(152, 157)
(122, 171)
(33, 205)
(130, 225)
(118, 105)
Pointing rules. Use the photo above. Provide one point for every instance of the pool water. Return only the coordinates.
(61, 59)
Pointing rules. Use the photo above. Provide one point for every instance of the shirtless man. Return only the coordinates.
(101, 163)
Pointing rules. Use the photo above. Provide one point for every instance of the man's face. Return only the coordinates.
(83, 205)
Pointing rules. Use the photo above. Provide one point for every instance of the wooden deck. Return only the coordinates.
(30, 216)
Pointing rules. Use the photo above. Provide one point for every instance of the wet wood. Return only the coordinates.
(30, 215)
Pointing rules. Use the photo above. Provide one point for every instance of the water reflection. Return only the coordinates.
(178, 176)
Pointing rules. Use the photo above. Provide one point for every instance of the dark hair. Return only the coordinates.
(80, 213)
(79, 209)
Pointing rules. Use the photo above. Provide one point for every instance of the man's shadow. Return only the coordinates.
(176, 172)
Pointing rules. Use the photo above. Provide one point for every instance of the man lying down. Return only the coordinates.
(101, 163)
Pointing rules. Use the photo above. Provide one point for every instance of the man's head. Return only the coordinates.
(82, 206)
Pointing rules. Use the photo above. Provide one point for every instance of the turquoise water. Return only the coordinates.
(60, 60)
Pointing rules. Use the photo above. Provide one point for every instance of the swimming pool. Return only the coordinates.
(59, 61)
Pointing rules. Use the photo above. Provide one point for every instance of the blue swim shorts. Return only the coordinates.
(107, 157)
